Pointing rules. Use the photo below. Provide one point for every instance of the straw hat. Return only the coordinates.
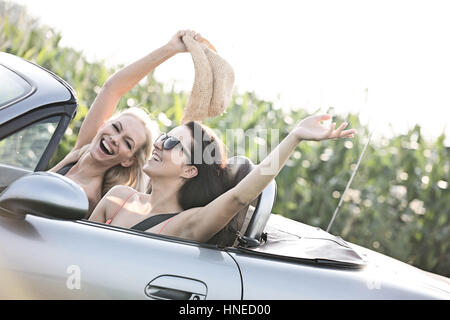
(213, 82)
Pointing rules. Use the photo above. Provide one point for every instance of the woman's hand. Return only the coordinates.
(177, 44)
(310, 128)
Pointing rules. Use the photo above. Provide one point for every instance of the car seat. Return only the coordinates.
(247, 226)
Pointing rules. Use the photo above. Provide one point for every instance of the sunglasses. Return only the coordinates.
(169, 142)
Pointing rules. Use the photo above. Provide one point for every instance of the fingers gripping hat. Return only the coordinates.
(213, 83)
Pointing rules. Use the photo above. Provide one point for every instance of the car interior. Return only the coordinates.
(246, 228)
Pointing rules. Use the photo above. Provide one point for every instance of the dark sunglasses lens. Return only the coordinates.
(170, 143)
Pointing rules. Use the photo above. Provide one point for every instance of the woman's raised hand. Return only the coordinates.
(177, 44)
(310, 128)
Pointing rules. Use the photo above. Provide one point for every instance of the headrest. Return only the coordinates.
(238, 167)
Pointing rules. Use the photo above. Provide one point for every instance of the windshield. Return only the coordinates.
(13, 87)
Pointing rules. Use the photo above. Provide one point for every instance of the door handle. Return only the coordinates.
(169, 287)
(166, 293)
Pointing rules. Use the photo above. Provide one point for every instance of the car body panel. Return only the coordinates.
(382, 267)
(266, 278)
(278, 276)
(41, 255)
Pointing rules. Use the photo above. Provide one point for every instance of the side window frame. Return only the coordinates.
(40, 114)
(22, 97)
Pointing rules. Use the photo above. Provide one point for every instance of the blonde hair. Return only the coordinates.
(133, 175)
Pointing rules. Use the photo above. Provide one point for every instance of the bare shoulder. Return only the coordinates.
(116, 196)
(120, 191)
(110, 205)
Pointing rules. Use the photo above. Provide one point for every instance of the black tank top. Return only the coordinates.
(153, 221)
(66, 168)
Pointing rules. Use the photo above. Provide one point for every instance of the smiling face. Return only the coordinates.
(118, 140)
(173, 162)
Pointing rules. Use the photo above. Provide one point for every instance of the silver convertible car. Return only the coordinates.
(49, 251)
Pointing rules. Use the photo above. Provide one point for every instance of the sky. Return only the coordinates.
(387, 60)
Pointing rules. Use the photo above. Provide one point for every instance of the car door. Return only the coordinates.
(53, 259)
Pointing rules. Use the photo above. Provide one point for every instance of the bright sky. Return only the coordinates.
(310, 54)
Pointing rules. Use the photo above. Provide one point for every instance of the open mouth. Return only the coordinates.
(156, 157)
(105, 148)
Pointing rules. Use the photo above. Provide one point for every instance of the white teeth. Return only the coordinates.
(106, 146)
(156, 157)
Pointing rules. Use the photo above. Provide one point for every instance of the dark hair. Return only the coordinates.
(207, 154)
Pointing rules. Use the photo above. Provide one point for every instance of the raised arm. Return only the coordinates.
(123, 81)
(204, 222)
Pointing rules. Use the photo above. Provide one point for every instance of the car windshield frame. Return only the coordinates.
(20, 81)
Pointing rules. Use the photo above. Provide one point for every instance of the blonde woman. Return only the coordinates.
(111, 150)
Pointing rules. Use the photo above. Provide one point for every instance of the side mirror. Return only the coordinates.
(44, 194)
